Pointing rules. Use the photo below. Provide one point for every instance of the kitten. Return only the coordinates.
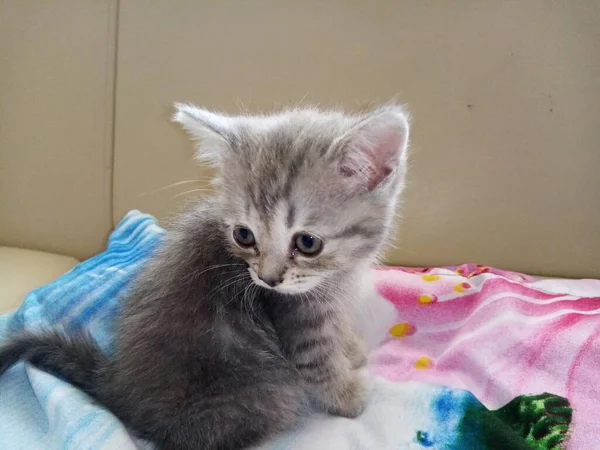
(243, 316)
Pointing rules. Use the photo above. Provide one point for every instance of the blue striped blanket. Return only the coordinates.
(39, 411)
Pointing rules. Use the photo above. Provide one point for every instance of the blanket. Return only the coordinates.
(471, 358)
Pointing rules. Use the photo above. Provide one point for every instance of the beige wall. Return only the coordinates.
(56, 105)
(505, 97)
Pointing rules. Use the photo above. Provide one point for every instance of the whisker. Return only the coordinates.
(230, 281)
(217, 267)
(191, 191)
(200, 180)
(241, 291)
(224, 285)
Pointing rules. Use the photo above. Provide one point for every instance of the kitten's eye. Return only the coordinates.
(308, 244)
(244, 237)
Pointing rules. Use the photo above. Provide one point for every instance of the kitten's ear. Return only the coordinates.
(213, 132)
(373, 149)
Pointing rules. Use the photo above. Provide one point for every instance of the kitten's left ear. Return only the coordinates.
(374, 149)
(214, 132)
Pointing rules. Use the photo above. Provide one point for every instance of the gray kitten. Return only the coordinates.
(243, 317)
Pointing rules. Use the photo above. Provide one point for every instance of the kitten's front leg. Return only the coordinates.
(330, 372)
(347, 394)
(355, 349)
(338, 388)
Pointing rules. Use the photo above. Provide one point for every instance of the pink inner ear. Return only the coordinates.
(369, 166)
(377, 178)
(372, 176)
(372, 151)
(347, 171)
(368, 172)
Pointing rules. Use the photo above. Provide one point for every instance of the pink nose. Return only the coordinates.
(272, 280)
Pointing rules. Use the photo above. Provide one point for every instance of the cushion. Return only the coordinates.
(23, 270)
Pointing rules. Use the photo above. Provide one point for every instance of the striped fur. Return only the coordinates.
(329, 174)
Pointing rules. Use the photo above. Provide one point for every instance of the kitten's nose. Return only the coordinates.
(272, 280)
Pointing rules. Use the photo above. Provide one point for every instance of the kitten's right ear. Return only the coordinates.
(213, 132)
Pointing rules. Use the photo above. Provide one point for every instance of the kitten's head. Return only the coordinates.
(305, 194)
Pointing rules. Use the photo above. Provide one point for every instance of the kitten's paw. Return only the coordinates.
(357, 353)
(351, 396)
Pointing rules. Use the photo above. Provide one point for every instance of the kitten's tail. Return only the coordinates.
(76, 359)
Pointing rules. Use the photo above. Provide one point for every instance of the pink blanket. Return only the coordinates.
(497, 334)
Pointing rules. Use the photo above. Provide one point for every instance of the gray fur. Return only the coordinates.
(207, 355)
